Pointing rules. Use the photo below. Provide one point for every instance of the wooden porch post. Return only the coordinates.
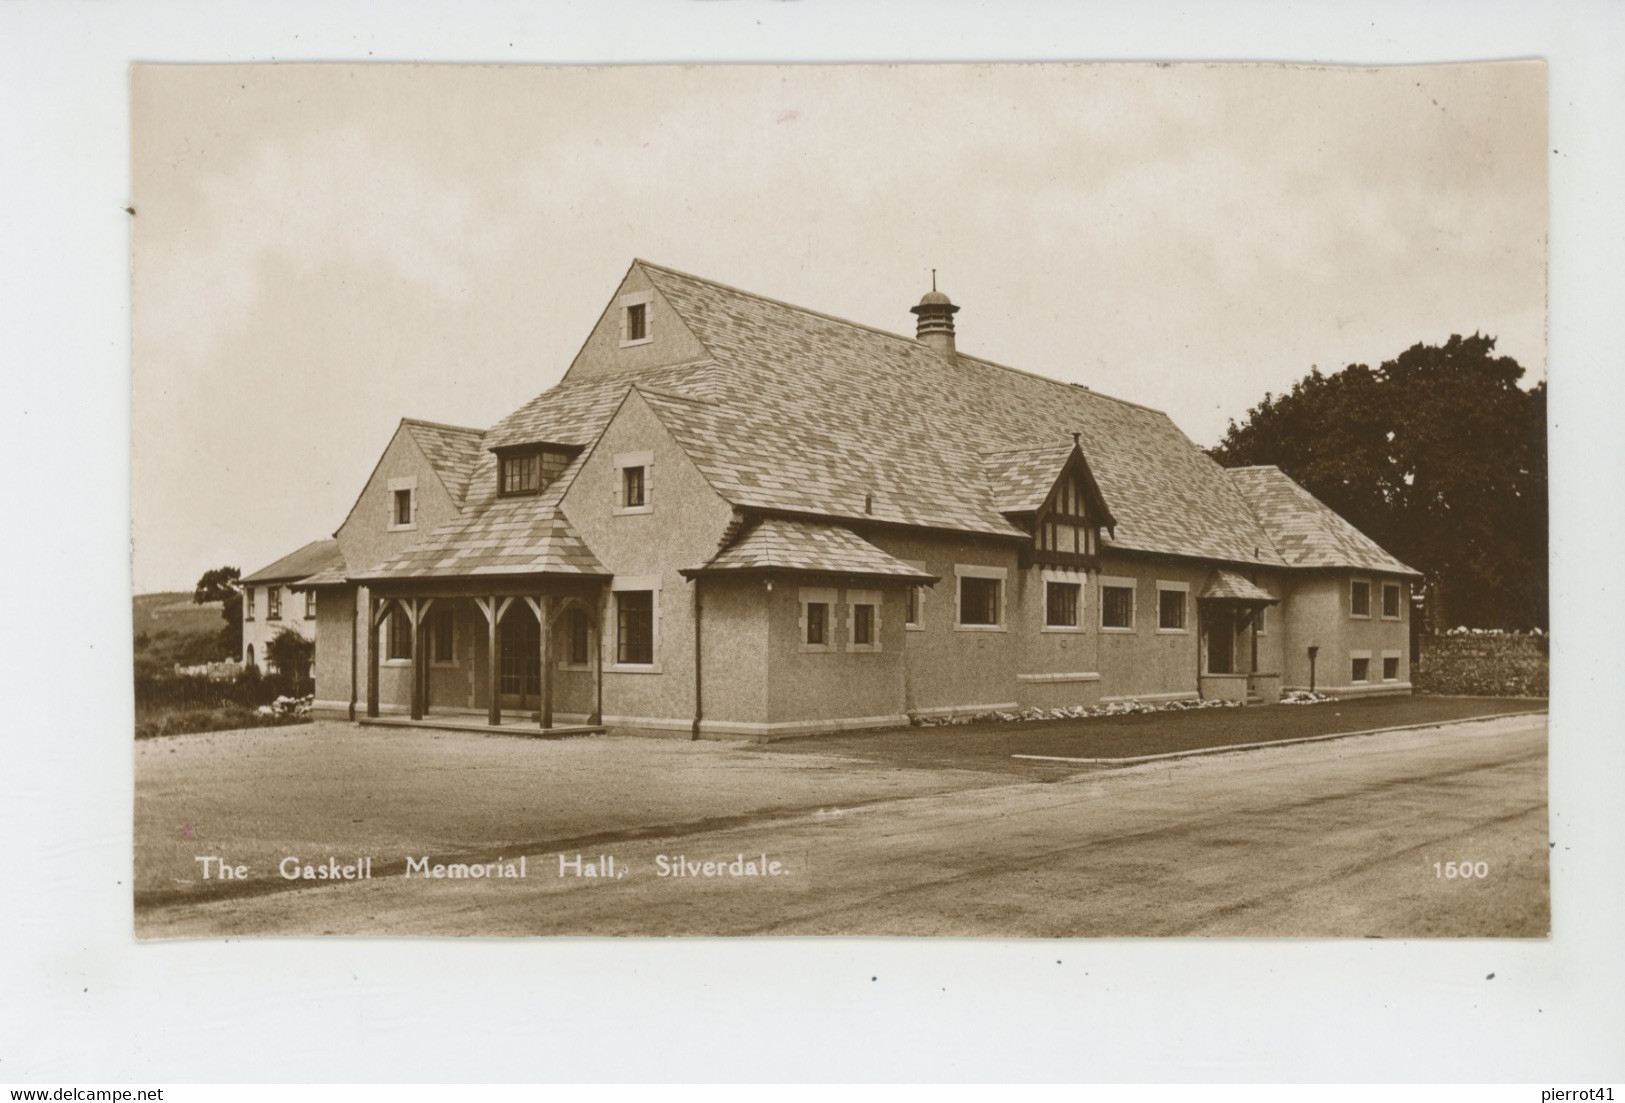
(493, 608)
(539, 606)
(373, 617)
(417, 657)
(597, 716)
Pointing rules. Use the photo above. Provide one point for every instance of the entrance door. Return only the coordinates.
(520, 675)
(1221, 641)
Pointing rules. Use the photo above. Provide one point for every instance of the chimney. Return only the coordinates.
(935, 326)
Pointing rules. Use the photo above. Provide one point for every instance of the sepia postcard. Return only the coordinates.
(1006, 500)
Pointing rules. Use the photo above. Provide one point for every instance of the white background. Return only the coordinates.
(84, 1003)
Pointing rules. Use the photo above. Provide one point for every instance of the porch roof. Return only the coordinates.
(512, 537)
(785, 544)
(1227, 585)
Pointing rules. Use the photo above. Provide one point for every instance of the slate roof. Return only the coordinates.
(1308, 532)
(1019, 479)
(1227, 585)
(782, 544)
(315, 556)
(452, 451)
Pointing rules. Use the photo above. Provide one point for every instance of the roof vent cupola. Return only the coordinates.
(936, 320)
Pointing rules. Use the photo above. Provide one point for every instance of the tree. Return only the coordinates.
(1439, 456)
(222, 584)
(291, 654)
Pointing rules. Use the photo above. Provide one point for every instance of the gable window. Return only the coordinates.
(1062, 601)
(273, 603)
(814, 625)
(635, 627)
(634, 481)
(398, 639)
(1359, 598)
(403, 503)
(443, 635)
(1064, 534)
(310, 604)
(863, 619)
(981, 597)
(635, 327)
(1172, 598)
(1360, 666)
(1117, 604)
(1390, 601)
(248, 604)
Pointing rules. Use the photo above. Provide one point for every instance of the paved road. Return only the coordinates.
(1336, 838)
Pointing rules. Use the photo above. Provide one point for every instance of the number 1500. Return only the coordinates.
(1451, 871)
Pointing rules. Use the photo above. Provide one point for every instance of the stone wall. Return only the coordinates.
(1482, 665)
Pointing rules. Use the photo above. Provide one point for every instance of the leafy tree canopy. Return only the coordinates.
(1439, 456)
(222, 585)
(291, 654)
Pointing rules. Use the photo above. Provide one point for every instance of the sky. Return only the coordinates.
(321, 250)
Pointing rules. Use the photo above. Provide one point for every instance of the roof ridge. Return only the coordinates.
(442, 425)
(1052, 381)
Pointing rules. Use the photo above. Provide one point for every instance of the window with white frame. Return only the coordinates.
(635, 319)
(1173, 600)
(1360, 598)
(1390, 601)
(403, 503)
(914, 602)
(634, 482)
(248, 603)
(634, 628)
(310, 604)
(1390, 666)
(815, 625)
(1116, 604)
(863, 620)
(1359, 666)
(1063, 600)
(397, 636)
(273, 603)
(980, 596)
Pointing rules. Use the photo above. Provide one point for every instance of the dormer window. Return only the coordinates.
(529, 470)
(1064, 534)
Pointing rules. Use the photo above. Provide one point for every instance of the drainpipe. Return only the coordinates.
(355, 613)
(695, 733)
(1313, 651)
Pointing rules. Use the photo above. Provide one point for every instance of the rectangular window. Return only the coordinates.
(1061, 604)
(979, 601)
(637, 322)
(1170, 609)
(310, 604)
(1260, 619)
(399, 638)
(635, 627)
(403, 507)
(522, 474)
(442, 625)
(1359, 598)
(863, 625)
(911, 615)
(1390, 601)
(1390, 668)
(1117, 605)
(273, 603)
(1361, 671)
(579, 631)
(817, 618)
(632, 488)
(248, 603)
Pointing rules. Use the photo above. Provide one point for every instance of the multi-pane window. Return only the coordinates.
(979, 601)
(248, 603)
(863, 625)
(634, 490)
(398, 643)
(442, 628)
(1359, 598)
(578, 633)
(1390, 668)
(635, 627)
(310, 604)
(637, 322)
(817, 622)
(1390, 600)
(1061, 604)
(1117, 607)
(1171, 610)
(273, 603)
(1361, 669)
(529, 472)
(403, 507)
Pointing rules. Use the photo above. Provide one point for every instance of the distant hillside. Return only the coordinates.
(174, 612)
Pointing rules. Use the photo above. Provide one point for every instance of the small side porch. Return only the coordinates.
(514, 657)
(1227, 624)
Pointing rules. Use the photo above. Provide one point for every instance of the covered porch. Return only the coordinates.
(1228, 609)
(516, 656)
